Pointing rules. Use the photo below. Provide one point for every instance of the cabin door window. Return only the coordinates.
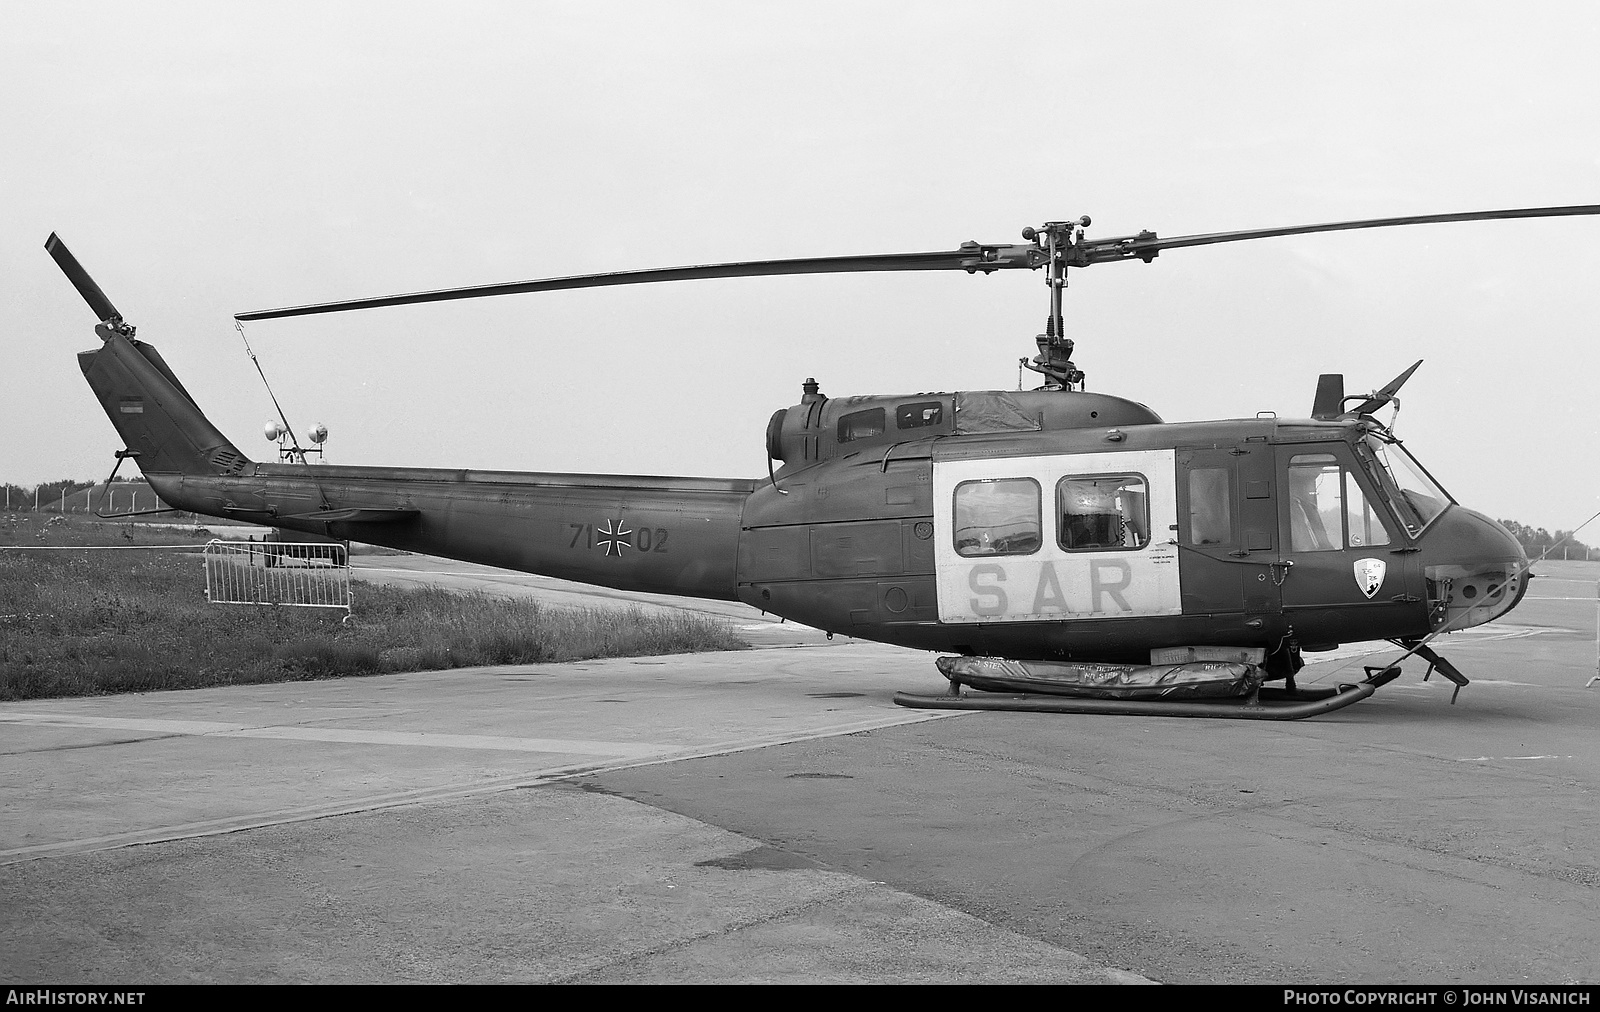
(1210, 507)
(997, 517)
(1103, 512)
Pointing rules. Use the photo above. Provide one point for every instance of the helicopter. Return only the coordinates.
(1067, 550)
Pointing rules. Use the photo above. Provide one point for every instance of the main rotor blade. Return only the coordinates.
(969, 258)
(98, 303)
(1129, 248)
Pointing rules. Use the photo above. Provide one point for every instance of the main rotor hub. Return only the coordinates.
(1057, 234)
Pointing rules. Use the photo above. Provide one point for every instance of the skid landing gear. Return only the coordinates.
(1269, 704)
(1260, 704)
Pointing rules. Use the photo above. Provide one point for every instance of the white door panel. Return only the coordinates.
(1017, 578)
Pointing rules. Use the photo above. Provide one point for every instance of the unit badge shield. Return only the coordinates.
(1369, 575)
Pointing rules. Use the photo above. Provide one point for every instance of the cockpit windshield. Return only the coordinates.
(1415, 497)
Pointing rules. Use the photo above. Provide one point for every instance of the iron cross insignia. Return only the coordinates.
(1369, 575)
(617, 539)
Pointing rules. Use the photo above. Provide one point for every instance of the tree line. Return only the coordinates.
(1540, 543)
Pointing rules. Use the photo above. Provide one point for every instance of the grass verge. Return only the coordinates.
(89, 622)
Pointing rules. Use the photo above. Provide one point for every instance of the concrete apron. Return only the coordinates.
(424, 767)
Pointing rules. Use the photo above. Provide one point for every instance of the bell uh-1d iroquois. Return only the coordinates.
(1070, 550)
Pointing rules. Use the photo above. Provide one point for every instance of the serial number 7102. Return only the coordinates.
(615, 538)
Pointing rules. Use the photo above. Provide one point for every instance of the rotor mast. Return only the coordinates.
(1054, 361)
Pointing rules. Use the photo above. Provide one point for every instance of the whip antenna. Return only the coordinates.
(297, 452)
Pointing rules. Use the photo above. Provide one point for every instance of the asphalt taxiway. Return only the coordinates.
(770, 815)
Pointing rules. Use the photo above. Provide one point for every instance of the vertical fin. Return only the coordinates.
(154, 415)
(160, 424)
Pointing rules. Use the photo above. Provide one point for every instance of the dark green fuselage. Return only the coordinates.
(856, 535)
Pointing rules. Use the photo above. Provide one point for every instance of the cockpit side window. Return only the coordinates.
(997, 516)
(1103, 512)
(1327, 509)
(1362, 526)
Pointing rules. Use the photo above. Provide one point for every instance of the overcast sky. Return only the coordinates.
(210, 158)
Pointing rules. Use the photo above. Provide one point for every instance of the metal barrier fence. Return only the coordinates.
(1596, 677)
(298, 575)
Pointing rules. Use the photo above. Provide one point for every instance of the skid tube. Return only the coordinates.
(1295, 705)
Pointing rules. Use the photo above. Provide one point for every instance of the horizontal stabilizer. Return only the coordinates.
(356, 516)
(246, 513)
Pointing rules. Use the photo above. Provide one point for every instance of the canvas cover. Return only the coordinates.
(991, 411)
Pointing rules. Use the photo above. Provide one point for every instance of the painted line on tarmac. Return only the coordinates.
(1467, 638)
(282, 816)
(493, 785)
(347, 736)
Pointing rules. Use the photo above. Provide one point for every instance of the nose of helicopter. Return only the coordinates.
(1476, 571)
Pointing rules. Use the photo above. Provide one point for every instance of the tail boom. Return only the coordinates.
(659, 535)
(653, 534)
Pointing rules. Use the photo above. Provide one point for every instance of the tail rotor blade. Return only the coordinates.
(102, 307)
